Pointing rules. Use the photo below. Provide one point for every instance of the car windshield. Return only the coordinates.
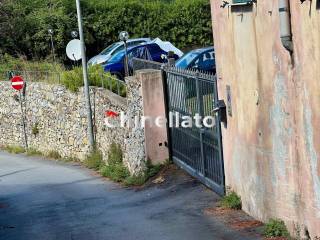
(110, 49)
(186, 60)
(116, 57)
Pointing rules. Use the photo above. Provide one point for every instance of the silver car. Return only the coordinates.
(107, 53)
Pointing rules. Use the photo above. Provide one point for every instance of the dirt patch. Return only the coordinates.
(237, 220)
(246, 224)
(168, 176)
(218, 211)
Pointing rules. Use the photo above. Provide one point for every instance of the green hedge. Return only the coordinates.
(186, 23)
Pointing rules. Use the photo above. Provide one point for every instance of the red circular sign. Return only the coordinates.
(17, 82)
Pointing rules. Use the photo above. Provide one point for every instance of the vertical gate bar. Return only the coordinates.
(200, 111)
(219, 137)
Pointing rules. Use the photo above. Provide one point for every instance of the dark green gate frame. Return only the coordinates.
(196, 150)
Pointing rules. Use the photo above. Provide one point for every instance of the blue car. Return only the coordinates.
(202, 59)
(106, 54)
(149, 51)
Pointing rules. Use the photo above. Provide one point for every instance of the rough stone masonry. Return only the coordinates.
(58, 117)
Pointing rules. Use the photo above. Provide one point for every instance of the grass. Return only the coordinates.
(33, 152)
(275, 228)
(151, 171)
(73, 80)
(14, 149)
(71, 159)
(116, 171)
(53, 155)
(231, 201)
(94, 160)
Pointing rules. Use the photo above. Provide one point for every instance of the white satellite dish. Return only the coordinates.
(73, 50)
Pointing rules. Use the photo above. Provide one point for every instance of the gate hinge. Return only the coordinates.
(221, 109)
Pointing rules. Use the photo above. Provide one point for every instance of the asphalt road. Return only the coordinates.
(44, 200)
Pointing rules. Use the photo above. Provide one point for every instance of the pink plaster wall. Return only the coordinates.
(272, 142)
(153, 106)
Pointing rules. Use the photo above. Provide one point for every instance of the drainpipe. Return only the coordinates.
(285, 24)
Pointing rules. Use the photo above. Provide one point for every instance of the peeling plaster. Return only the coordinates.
(278, 116)
(312, 152)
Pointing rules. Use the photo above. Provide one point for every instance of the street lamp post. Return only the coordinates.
(124, 36)
(85, 77)
(50, 31)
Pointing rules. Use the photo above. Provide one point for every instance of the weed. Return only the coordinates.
(115, 169)
(33, 152)
(135, 180)
(275, 228)
(151, 171)
(71, 159)
(35, 129)
(14, 149)
(116, 172)
(53, 155)
(94, 160)
(231, 201)
(115, 154)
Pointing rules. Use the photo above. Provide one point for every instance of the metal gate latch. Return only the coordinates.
(221, 109)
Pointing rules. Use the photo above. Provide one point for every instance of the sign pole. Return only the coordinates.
(85, 76)
(23, 122)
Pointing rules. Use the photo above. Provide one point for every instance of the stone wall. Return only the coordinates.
(271, 144)
(60, 116)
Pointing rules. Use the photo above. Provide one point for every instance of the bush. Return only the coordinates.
(14, 149)
(275, 228)
(73, 79)
(94, 160)
(231, 201)
(53, 155)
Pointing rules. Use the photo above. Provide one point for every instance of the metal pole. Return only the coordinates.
(23, 122)
(85, 77)
(53, 51)
(126, 59)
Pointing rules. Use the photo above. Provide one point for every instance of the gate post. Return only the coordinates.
(166, 105)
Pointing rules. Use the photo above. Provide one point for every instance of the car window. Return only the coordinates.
(116, 57)
(119, 49)
(110, 49)
(186, 60)
(135, 43)
(206, 61)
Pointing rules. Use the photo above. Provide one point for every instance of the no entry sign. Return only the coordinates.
(17, 83)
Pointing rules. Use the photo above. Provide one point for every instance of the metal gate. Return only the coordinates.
(198, 150)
